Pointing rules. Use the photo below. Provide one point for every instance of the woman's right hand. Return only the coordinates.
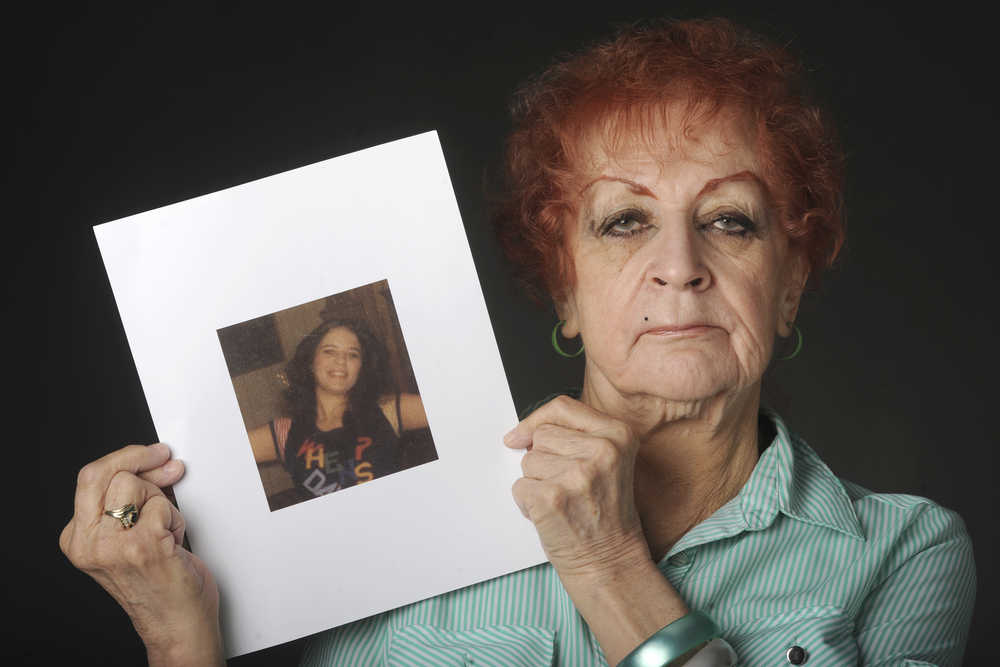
(167, 591)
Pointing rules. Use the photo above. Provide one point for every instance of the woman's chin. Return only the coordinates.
(680, 379)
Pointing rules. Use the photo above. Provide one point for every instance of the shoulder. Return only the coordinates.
(908, 524)
(281, 425)
(387, 405)
(922, 586)
(902, 510)
(278, 428)
(892, 527)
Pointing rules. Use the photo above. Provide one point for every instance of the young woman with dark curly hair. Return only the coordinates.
(343, 422)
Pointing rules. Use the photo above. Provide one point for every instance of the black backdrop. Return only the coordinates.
(118, 110)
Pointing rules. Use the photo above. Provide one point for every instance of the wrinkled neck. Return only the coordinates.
(692, 457)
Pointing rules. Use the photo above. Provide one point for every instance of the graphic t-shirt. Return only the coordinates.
(322, 462)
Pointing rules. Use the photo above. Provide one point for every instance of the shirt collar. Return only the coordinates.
(791, 479)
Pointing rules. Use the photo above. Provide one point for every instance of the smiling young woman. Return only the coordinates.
(342, 421)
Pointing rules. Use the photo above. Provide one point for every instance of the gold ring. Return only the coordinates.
(127, 514)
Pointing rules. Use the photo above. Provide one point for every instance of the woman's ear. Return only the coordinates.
(566, 310)
(796, 276)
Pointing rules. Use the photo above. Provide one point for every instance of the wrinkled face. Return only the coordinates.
(337, 363)
(683, 276)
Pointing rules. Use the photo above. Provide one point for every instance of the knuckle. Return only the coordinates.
(64, 539)
(121, 481)
(580, 480)
(562, 402)
(552, 497)
(544, 430)
(605, 452)
(624, 433)
(586, 472)
(157, 508)
(525, 463)
(136, 553)
(89, 474)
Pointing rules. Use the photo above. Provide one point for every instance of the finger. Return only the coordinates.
(535, 497)
(520, 491)
(163, 520)
(166, 475)
(567, 442)
(127, 489)
(94, 477)
(541, 465)
(567, 412)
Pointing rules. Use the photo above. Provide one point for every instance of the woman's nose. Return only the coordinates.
(676, 260)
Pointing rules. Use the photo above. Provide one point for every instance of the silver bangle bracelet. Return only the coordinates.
(672, 641)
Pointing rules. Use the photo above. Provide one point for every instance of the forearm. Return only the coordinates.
(201, 649)
(192, 637)
(624, 605)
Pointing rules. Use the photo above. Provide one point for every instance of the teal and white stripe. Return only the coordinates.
(797, 558)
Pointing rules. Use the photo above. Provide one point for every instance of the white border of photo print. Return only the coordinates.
(181, 272)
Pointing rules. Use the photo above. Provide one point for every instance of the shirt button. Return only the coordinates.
(796, 655)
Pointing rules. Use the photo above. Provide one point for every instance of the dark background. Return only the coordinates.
(117, 110)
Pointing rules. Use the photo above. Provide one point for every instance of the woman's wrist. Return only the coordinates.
(624, 607)
(199, 644)
(607, 564)
(205, 649)
(674, 643)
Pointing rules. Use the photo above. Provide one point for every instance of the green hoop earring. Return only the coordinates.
(555, 342)
(798, 344)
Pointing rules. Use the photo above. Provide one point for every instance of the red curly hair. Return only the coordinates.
(622, 86)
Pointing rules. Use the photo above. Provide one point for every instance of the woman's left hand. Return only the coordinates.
(578, 488)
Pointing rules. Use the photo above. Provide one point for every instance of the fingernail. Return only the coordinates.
(160, 447)
(173, 466)
(510, 437)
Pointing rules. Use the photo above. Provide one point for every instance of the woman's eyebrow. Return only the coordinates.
(337, 347)
(745, 175)
(637, 188)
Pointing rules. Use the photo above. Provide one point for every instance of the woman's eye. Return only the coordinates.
(626, 223)
(733, 224)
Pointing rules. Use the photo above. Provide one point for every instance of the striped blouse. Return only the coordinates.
(797, 558)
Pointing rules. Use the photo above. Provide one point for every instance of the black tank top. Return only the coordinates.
(322, 462)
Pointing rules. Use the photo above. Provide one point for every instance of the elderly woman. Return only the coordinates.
(672, 191)
(343, 426)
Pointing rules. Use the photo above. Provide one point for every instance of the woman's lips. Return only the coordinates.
(679, 331)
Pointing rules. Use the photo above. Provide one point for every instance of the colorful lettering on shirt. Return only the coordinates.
(363, 443)
(313, 454)
(316, 483)
(334, 466)
(363, 472)
(329, 471)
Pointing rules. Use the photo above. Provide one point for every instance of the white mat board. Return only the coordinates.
(181, 272)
